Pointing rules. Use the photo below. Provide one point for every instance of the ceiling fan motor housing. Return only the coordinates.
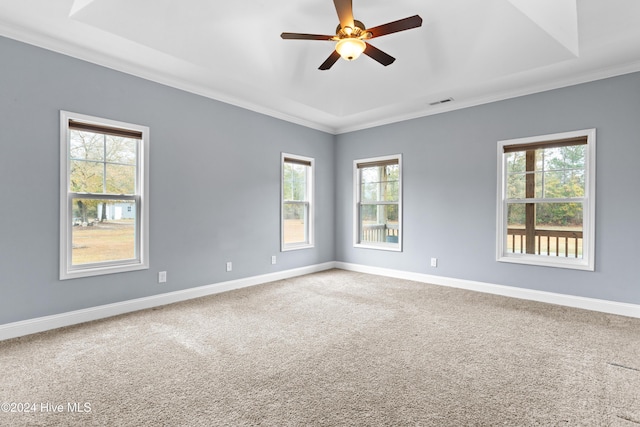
(358, 31)
(351, 36)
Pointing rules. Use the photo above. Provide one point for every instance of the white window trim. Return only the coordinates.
(67, 271)
(393, 247)
(310, 197)
(588, 239)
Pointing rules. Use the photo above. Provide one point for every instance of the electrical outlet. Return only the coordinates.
(434, 262)
(229, 266)
(273, 259)
(162, 277)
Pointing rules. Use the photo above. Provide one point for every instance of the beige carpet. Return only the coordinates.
(333, 348)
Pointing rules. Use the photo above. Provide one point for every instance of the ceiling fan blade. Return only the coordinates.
(375, 53)
(300, 36)
(395, 26)
(345, 12)
(332, 59)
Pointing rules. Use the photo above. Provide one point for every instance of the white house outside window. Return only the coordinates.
(103, 198)
(378, 203)
(546, 200)
(297, 202)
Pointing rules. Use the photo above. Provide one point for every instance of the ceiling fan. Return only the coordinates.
(352, 35)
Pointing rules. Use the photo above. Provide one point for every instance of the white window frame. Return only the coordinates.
(385, 246)
(587, 262)
(310, 226)
(141, 197)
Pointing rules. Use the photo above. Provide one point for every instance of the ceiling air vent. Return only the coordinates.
(442, 101)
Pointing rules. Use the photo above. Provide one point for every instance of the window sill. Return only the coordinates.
(295, 247)
(99, 271)
(544, 261)
(392, 247)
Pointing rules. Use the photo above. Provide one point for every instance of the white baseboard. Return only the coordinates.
(611, 307)
(41, 324)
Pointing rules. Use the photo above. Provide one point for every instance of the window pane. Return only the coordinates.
(560, 184)
(121, 150)
(103, 230)
(86, 176)
(559, 173)
(121, 179)
(516, 186)
(379, 223)
(295, 222)
(558, 229)
(561, 158)
(380, 183)
(295, 182)
(384, 191)
(369, 191)
(547, 215)
(516, 161)
(86, 146)
(516, 215)
(559, 215)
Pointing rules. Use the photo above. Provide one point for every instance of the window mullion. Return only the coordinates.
(104, 163)
(99, 196)
(543, 200)
(380, 203)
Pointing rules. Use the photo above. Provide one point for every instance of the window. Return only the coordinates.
(297, 202)
(378, 203)
(546, 200)
(104, 196)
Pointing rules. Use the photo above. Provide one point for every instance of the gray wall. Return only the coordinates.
(450, 172)
(215, 184)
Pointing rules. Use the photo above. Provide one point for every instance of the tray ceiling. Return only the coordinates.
(468, 50)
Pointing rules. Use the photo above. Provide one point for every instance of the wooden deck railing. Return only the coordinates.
(548, 242)
(380, 233)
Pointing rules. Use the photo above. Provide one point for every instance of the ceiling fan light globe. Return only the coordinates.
(350, 48)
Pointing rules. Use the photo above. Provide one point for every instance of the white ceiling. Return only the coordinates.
(474, 51)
